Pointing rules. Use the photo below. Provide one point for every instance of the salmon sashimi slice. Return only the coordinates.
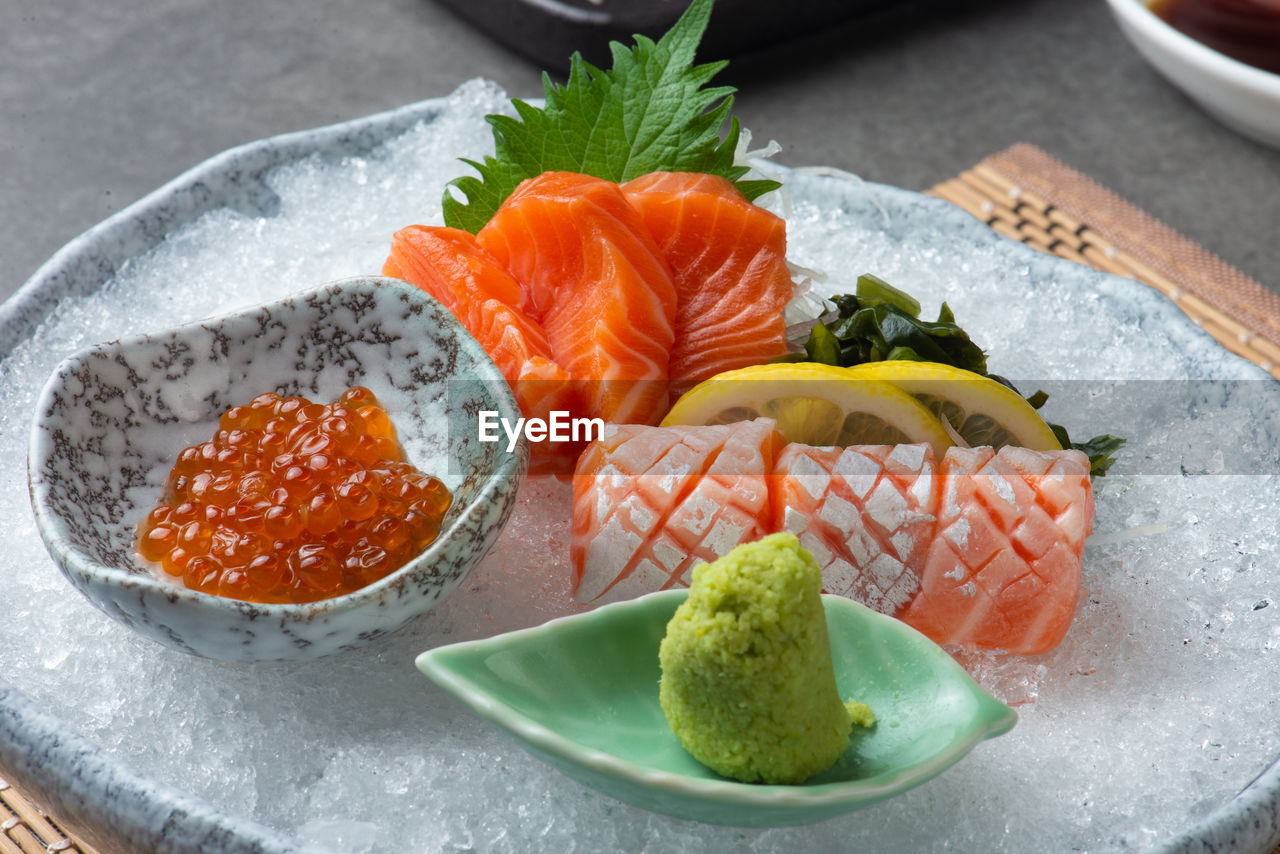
(650, 503)
(450, 264)
(866, 513)
(1003, 571)
(596, 285)
(677, 182)
(728, 263)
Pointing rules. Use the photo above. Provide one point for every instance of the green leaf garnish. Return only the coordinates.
(1099, 450)
(649, 113)
(880, 323)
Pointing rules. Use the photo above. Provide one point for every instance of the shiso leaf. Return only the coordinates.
(881, 323)
(651, 112)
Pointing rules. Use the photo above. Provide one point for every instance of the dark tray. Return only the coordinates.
(549, 31)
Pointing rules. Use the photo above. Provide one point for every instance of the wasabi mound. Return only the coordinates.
(747, 682)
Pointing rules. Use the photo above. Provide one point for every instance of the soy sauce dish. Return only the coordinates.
(113, 418)
(1242, 96)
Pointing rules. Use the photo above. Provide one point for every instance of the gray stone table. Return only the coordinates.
(101, 102)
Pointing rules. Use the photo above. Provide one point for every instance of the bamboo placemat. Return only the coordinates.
(1025, 194)
(26, 830)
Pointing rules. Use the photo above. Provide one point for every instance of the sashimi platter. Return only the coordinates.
(492, 475)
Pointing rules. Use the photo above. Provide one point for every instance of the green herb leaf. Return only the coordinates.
(873, 289)
(650, 112)
(1099, 450)
(881, 323)
(822, 346)
(1036, 400)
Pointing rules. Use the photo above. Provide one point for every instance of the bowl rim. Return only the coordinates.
(56, 538)
(1138, 14)
(722, 791)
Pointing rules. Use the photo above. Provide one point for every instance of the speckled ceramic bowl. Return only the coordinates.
(113, 418)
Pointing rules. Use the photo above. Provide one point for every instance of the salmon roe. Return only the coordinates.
(293, 501)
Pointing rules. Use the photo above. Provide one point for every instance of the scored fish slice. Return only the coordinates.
(982, 550)
(866, 514)
(651, 503)
(1003, 571)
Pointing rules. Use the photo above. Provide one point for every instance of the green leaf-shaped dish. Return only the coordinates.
(581, 693)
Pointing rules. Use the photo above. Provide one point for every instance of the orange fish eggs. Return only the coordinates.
(293, 501)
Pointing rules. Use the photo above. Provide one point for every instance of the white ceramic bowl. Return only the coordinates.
(1245, 98)
(113, 418)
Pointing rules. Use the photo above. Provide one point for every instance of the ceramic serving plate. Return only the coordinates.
(581, 693)
(357, 753)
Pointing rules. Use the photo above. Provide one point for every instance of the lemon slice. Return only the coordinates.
(981, 410)
(813, 404)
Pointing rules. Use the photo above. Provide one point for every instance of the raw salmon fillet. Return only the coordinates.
(450, 264)
(728, 262)
(982, 550)
(597, 286)
(651, 502)
(1003, 571)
